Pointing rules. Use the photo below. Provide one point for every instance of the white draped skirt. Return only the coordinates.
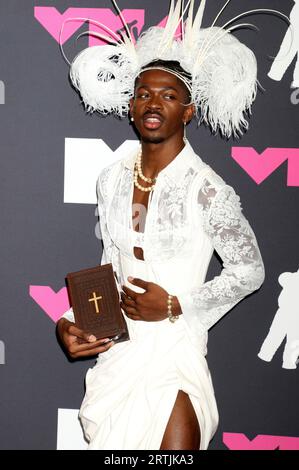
(131, 390)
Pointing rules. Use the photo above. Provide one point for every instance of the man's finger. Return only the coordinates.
(95, 344)
(127, 309)
(138, 282)
(127, 301)
(131, 293)
(93, 351)
(76, 347)
(133, 317)
(85, 335)
(131, 312)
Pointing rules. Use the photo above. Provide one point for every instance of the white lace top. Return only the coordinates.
(191, 213)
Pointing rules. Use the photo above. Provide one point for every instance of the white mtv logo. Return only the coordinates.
(285, 323)
(84, 160)
(69, 431)
(289, 49)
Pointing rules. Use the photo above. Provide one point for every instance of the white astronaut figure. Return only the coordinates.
(285, 323)
(288, 50)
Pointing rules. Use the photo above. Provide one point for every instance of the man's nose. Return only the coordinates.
(154, 102)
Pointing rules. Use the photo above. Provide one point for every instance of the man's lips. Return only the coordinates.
(152, 121)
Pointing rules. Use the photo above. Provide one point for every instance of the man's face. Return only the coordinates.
(157, 106)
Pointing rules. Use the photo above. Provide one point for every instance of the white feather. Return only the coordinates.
(225, 86)
(198, 18)
(170, 29)
(104, 76)
(224, 71)
(188, 26)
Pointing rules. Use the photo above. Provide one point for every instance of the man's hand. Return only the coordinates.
(150, 305)
(69, 335)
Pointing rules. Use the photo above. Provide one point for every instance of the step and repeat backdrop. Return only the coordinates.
(51, 154)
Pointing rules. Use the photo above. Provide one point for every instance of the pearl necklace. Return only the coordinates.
(138, 172)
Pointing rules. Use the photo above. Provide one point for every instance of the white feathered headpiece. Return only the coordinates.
(223, 70)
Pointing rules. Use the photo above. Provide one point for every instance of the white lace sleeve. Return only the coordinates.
(102, 189)
(110, 252)
(69, 315)
(234, 240)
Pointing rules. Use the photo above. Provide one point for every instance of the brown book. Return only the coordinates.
(95, 300)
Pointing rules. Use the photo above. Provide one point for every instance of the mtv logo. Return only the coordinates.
(69, 431)
(84, 160)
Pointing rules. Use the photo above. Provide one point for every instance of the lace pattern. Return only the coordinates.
(170, 228)
(233, 239)
(191, 214)
(110, 252)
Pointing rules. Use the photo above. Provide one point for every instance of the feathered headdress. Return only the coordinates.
(223, 71)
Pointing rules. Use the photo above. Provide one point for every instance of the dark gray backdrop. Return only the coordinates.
(42, 238)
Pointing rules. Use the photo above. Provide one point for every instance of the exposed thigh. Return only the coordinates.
(182, 431)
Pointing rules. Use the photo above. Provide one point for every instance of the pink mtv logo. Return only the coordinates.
(260, 166)
(239, 441)
(53, 303)
(52, 20)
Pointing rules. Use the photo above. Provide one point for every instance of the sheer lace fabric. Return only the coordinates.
(233, 239)
(192, 212)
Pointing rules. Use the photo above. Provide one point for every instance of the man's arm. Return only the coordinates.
(76, 342)
(234, 240)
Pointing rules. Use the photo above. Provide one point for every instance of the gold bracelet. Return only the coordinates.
(171, 317)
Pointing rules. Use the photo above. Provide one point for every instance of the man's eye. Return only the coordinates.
(143, 95)
(170, 97)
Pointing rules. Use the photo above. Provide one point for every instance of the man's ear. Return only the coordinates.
(189, 113)
(193, 110)
(131, 105)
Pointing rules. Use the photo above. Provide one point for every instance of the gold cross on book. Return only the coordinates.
(95, 300)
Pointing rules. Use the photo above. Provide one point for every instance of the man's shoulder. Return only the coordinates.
(117, 165)
(108, 171)
(215, 179)
(209, 185)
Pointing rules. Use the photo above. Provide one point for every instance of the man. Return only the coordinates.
(159, 116)
(155, 391)
(160, 109)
